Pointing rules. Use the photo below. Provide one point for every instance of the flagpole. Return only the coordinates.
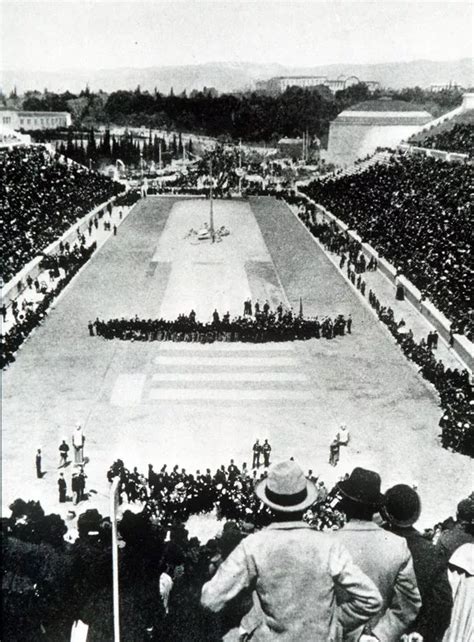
(240, 167)
(115, 570)
(211, 212)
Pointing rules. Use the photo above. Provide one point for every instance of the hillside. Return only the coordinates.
(229, 76)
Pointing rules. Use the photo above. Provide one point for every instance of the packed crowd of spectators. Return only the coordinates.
(28, 317)
(454, 386)
(176, 494)
(41, 197)
(261, 326)
(163, 570)
(460, 139)
(416, 212)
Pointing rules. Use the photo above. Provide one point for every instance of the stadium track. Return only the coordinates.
(153, 404)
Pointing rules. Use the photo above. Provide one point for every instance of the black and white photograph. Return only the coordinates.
(237, 320)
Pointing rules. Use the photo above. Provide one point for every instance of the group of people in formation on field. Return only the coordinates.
(257, 325)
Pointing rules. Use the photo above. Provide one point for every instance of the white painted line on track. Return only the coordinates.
(269, 362)
(225, 346)
(223, 394)
(230, 376)
(128, 390)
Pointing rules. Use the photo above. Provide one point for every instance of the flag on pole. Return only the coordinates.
(301, 307)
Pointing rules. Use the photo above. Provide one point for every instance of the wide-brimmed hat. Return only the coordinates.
(363, 487)
(286, 488)
(402, 505)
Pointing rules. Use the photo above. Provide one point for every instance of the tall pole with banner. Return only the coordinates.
(114, 493)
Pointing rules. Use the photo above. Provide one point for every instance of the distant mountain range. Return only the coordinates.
(229, 76)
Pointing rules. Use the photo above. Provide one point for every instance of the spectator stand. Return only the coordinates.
(383, 283)
(17, 285)
(450, 157)
(17, 288)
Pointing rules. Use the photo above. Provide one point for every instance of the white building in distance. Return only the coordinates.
(31, 120)
(279, 84)
(359, 130)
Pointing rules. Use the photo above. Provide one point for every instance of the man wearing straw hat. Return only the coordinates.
(293, 570)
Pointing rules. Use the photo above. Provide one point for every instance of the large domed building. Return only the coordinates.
(359, 130)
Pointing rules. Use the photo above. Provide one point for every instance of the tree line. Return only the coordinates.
(250, 116)
(96, 148)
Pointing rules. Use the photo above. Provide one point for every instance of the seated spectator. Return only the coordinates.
(402, 508)
(459, 139)
(415, 212)
(294, 570)
(382, 556)
(41, 198)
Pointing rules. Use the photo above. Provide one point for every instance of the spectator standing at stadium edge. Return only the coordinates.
(256, 452)
(266, 450)
(81, 484)
(334, 451)
(78, 440)
(343, 435)
(63, 453)
(294, 571)
(39, 473)
(62, 488)
(381, 555)
(402, 508)
(75, 484)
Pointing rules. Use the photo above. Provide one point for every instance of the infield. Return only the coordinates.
(198, 406)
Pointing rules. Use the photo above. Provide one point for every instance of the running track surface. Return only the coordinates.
(198, 406)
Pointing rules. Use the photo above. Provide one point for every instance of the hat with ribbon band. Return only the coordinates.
(286, 489)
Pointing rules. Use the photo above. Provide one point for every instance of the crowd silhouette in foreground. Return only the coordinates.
(257, 326)
(416, 213)
(354, 542)
(41, 198)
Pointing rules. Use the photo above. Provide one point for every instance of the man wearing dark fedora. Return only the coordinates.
(401, 509)
(381, 555)
(293, 570)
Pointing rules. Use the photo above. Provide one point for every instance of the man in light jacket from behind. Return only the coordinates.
(381, 555)
(293, 570)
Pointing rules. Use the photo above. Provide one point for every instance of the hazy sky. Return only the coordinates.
(105, 34)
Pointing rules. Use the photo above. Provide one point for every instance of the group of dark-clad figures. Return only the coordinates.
(259, 326)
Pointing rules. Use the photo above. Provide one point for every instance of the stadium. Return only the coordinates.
(223, 365)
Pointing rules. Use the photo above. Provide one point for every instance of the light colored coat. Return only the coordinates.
(461, 578)
(386, 559)
(294, 571)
